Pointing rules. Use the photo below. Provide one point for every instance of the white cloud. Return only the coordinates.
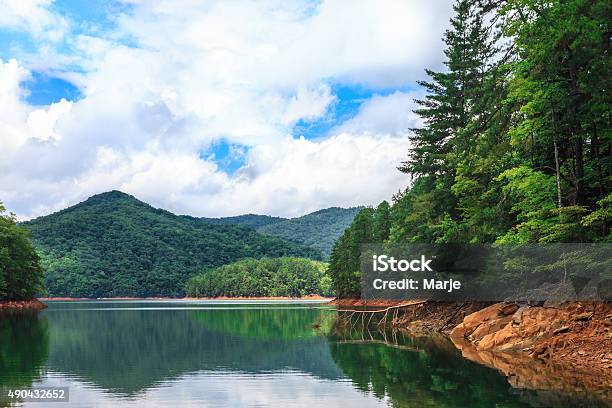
(42, 121)
(297, 176)
(245, 72)
(34, 17)
(308, 103)
(386, 114)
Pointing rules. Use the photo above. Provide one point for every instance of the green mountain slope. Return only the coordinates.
(247, 220)
(318, 230)
(115, 245)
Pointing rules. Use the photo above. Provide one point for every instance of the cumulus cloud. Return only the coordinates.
(391, 114)
(34, 17)
(170, 82)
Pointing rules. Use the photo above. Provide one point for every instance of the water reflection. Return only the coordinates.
(24, 349)
(552, 384)
(201, 354)
(126, 351)
(413, 370)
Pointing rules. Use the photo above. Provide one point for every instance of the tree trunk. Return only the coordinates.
(557, 166)
(595, 156)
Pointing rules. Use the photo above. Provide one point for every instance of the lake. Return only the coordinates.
(241, 354)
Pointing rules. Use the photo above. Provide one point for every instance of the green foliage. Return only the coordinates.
(114, 245)
(21, 276)
(533, 196)
(381, 222)
(318, 230)
(601, 217)
(295, 277)
(368, 227)
(516, 142)
(248, 220)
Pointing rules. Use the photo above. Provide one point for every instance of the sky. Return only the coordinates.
(211, 108)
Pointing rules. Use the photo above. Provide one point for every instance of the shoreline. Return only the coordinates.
(577, 335)
(18, 305)
(220, 298)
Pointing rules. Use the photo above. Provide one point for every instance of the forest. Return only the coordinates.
(115, 245)
(265, 277)
(318, 230)
(515, 145)
(21, 275)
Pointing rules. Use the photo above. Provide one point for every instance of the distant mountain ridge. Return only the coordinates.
(247, 220)
(319, 229)
(115, 245)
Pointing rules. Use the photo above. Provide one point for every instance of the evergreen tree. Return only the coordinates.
(381, 222)
(344, 263)
(516, 145)
(462, 104)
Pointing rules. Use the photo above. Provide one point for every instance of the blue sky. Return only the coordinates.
(212, 108)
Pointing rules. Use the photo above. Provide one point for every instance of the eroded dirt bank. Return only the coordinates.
(560, 350)
(574, 333)
(417, 316)
(9, 305)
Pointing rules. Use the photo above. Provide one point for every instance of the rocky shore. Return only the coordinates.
(571, 334)
(575, 333)
(15, 305)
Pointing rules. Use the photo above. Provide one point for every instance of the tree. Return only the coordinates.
(21, 276)
(344, 263)
(561, 83)
(381, 222)
(295, 277)
(453, 153)
(516, 145)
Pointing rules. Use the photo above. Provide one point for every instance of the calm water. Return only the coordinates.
(241, 354)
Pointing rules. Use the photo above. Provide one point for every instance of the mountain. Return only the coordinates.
(248, 220)
(318, 230)
(115, 245)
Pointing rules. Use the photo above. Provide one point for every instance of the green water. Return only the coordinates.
(240, 354)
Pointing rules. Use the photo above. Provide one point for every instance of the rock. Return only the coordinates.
(562, 329)
(608, 321)
(508, 309)
(482, 322)
(583, 317)
(517, 318)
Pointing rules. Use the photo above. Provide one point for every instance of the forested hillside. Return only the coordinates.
(114, 245)
(319, 229)
(516, 145)
(295, 277)
(248, 220)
